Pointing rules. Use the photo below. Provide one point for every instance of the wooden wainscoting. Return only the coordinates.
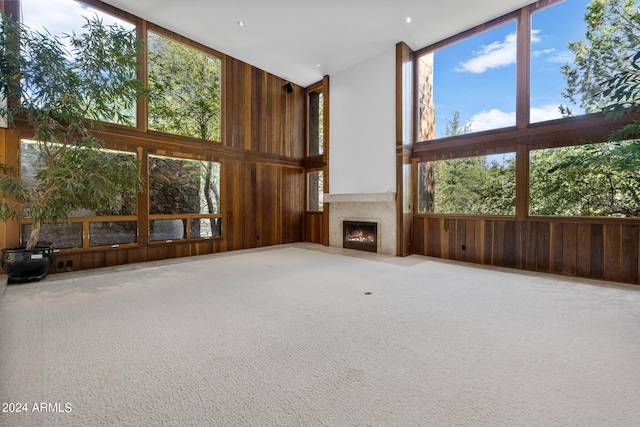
(96, 258)
(606, 249)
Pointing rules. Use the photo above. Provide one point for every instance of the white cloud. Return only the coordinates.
(495, 55)
(496, 119)
(553, 54)
(503, 53)
(535, 36)
(492, 119)
(545, 112)
(59, 16)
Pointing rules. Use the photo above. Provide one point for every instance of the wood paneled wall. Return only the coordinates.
(280, 203)
(262, 179)
(603, 249)
(259, 115)
(314, 226)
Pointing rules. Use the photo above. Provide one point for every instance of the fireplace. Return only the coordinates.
(360, 235)
(379, 208)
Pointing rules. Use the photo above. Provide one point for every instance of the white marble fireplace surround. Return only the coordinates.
(367, 207)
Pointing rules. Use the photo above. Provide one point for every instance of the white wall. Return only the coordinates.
(362, 153)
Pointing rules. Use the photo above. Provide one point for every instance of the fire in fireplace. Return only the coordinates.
(360, 235)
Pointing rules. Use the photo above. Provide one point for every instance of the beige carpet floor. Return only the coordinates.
(303, 335)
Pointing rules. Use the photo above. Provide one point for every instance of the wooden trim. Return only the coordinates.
(9, 149)
(468, 33)
(90, 219)
(313, 163)
(316, 87)
(523, 69)
(326, 126)
(537, 218)
(466, 216)
(522, 183)
(11, 8)
(542, 4)
(143, 198)
(585, 220)
(326, 156)
(405, 123)
(184, 40)
(554, 133)
(142, 106)
(112, 10)
(155, 217)
(533, 7)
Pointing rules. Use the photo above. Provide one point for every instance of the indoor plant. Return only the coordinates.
(59, 89)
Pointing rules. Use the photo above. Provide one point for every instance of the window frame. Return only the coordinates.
(143, 120)
(313, 132)
(308, 173)
(187, 218)
(451, 41)
(87, 220)
(522, 138)
(522, 17)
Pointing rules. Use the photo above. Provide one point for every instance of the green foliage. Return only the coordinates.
(606, 76)
(455, 125)
(474, 185)
(611, 41)
(184, 86)
(588, 180)
(60, 95)
(184, 99)
(624, 90)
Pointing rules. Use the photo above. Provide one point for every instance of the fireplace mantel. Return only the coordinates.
(360, 198)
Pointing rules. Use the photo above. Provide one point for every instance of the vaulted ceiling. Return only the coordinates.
(302, 40)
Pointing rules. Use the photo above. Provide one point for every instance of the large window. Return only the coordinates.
(66, 18)
(469, 86)
(184, 86)
(588, 180)
(105, 228)
(184, 199)
(483, 185)
(579, 50)
(552, 31)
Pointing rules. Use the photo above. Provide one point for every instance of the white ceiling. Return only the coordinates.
(289, 38)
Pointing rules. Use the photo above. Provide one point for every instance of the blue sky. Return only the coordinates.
(477, 76)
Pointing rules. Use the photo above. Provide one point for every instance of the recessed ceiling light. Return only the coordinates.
(318, 65)
(240, 24)
(408, 20)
